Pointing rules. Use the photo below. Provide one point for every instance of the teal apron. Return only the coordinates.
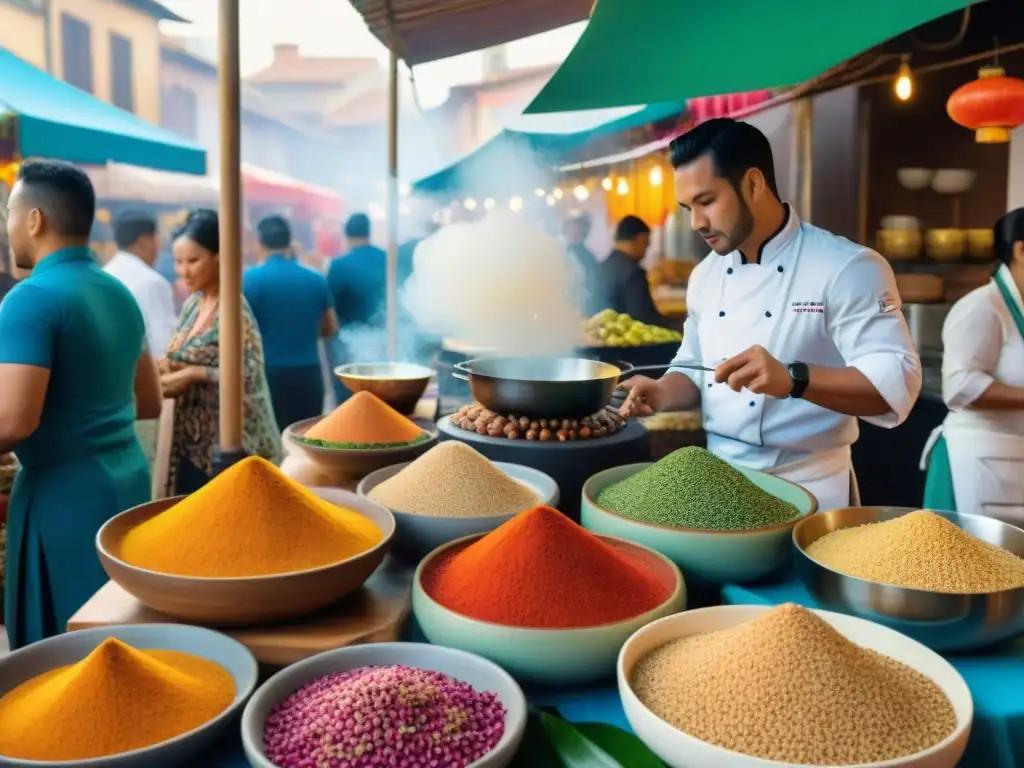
(938, 488)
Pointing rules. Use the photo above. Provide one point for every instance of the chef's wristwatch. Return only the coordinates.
(801, 376)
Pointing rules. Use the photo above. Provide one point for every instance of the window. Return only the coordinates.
(179, 111)
(122, 81)
(76, 46)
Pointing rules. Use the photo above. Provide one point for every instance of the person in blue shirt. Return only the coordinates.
(358, 283)
(74, 373)
(294, 310)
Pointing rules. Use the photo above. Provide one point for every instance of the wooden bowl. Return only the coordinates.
(945, 244)
(898, 244)
(244, 600)
(400, 385)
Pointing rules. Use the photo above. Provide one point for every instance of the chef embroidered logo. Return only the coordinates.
(809, 307)
(887, 304)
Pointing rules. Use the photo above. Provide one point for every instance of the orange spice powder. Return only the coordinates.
(364, 418)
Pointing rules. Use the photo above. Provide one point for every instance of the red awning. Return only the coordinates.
(729, 105)
(263, 187)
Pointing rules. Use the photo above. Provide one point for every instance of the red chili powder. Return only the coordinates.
(542, 570)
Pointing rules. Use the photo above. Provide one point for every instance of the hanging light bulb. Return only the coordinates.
(539, 192)
(515, 203)
(606, 183)
(623, 188)
(581, 193)
(655, 176)
(558, 193)
(488, 203)
(904, 84)
(469, 204)
(550, 200)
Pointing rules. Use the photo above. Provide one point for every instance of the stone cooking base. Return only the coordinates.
(476, 418)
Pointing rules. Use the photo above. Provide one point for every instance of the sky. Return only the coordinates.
(334, 28)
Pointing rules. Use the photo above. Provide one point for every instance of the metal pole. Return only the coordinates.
(392, 207)
(231, 390)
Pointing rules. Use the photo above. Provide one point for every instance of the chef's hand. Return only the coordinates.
(177, 383)
(643, 398)
(757, 371)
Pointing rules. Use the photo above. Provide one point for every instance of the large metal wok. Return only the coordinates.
(541, 387)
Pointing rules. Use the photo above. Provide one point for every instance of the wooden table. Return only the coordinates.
(375, 614)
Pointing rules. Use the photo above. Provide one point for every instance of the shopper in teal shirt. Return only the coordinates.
(72, 365)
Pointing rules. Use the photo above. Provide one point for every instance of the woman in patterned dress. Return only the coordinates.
(190, 372)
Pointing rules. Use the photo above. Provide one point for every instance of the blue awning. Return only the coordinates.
(59, 121)
(540, 139)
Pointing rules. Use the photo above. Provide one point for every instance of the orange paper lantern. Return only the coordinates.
(991, 106)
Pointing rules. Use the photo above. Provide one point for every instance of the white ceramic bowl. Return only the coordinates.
(416, 535)
(911, 223)
(680, 750)
(483, 675)
(915, 179)
(953, 181)
(71, 648)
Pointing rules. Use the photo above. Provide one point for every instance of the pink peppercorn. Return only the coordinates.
(383, 717)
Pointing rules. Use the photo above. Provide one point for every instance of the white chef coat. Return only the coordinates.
(153, 294)
(814, 298)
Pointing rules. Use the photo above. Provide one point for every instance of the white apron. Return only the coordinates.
(758, 300)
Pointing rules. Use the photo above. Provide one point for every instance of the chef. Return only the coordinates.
(801, 330)
(975, 460)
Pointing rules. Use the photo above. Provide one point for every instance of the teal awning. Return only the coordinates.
(659, 50)
(59, 121)
(539, 139)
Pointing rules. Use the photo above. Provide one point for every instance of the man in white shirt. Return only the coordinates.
(138, 246)
(802, 328)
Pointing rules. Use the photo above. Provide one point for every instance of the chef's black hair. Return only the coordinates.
(734, 147)
(1007, 231)
(201, 227)
(63, 193)
(629, 227)
(274, 233)
(130, 226)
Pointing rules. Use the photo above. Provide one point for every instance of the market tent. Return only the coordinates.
(264, 187)
(57, 120)
(658, 50)
(543, 138)
(427, 31)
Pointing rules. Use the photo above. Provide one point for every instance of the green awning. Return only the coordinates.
(539, 139)
(57, 120)
(671, 50)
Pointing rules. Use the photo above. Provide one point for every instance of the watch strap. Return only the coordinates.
(801, 376)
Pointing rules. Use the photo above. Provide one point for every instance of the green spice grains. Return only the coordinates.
(786, 686)
(921, 550)
(691, 488)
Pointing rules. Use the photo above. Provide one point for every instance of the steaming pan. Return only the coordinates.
(541, 387)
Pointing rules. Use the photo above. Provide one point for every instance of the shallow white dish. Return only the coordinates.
(680, 750)
(915, 179)
(72, 647)
(483, 675)
(953, 181)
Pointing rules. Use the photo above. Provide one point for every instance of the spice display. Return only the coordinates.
(692, 488)
(609, 328)
(476, 418)
(786, 686)
(542, 570)
(364, 421)
(921, 550)
(454, 480)
(383, 716)
(248, 521)
(115, 700)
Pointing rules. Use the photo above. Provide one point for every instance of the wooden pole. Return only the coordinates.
(392, 207)
(804, 135)
(231, 391)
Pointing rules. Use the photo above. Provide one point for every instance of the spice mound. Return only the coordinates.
(921, 550)
(786, 686)
(115, 700)
(542, 570)
(364, 421)
(454, 480)
(383, 716)
(249, 521)
(692, 488)
(476, 418)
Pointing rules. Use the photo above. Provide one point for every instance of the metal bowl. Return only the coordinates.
(945, 244)
(541, 387)
(943, 622)
(400, 385)
(898, 244)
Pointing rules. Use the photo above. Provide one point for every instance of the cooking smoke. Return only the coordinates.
(497, 283)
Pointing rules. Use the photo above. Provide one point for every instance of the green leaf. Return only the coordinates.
(622, 745)
(573, 748)
(535, 751)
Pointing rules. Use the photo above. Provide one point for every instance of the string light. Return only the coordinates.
(558, 193)
(655, 176)
(623, 188)
(606, 183)
(550, 200)
(581, 193)
(488, 203)
(516, 203)
(539, 192)
(904, 84)
(469, 204)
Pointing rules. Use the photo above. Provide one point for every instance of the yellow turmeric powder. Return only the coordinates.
(251, 520)
(115, 700)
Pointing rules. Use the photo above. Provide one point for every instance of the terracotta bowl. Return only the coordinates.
(355, 462)
(242, 601)
(400, 385)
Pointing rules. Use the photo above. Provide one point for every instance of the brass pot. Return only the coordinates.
(899, 244)
(945, 244)
(979, 244)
